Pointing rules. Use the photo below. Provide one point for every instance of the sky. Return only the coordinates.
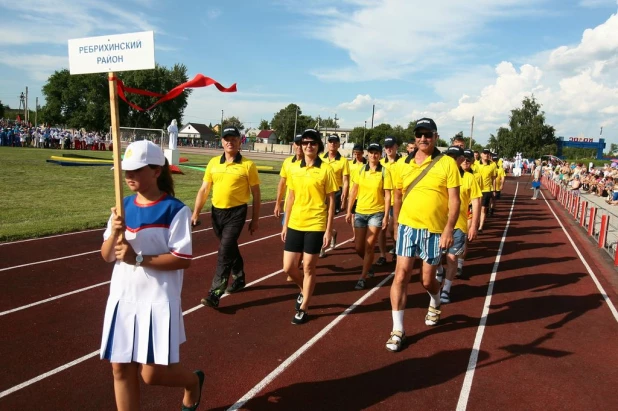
(449, 60)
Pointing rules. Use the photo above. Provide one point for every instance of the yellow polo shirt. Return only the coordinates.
(311, 185)
(371, 186)
(468, 191)
(284, 174)
(339, 165)
(391, 166)
(500, 176)
(355, 166)
(426, 206)
(231, 182)
(488, 172)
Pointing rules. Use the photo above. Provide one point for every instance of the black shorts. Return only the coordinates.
(338, 200)
(309, 242)
(497, 195)
(486, 199)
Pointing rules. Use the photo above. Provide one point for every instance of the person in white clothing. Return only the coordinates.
(150, 246)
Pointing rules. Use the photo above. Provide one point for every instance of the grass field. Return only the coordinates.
(40, 198)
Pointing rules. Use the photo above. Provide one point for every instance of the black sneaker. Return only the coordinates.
(237, 285)
(299, 301)
(211, 301)
(301, 317)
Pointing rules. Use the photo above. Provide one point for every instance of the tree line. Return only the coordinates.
(82, 101)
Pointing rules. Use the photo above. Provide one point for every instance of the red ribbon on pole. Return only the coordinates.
(199, 80)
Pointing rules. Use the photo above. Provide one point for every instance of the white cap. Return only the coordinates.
(142, 153)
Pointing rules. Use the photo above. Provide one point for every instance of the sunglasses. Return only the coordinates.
(426, 134)
(467, 160)
(309, 143)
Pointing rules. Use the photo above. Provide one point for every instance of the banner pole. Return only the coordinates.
(115, 126)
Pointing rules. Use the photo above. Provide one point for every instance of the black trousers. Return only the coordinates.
(227, 224)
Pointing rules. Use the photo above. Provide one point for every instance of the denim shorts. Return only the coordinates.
(371, 220)
(459, 242)
(414, 242)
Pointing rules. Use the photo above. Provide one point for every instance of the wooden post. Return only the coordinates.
(113, 108)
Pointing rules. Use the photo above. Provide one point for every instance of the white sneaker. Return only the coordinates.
(322, 254)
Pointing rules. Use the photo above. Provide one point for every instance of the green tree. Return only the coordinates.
(264, 125)
(283, 122)
(613, 149)
(328, 123)
(527, 132)
(233, 121)
(357, 135)
(82, 101)
(1, 109)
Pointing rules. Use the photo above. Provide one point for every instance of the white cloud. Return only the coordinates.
(360, 102)
(362, 27)
(597, 3)
(212, 14)
(40, 66)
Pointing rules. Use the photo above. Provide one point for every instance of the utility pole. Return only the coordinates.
(364, 132)
(36, 112)
(221, 125)
(295, 122)
(471, 131)
(373, 112)
(22, 103)
(27, 113)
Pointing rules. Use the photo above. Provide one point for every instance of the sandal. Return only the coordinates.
(433, 316)
(395, 341)
(380, 261)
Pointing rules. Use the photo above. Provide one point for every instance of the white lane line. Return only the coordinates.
(95, 353)
(86, 231)
(291, 359)
(49, 261)
(96, 251)
(609, 302)
(246, 221)
(23, 307)
(464, 395)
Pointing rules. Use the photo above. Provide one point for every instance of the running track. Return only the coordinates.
(529, 330)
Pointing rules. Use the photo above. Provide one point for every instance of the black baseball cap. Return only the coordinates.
(358, 147)
(454, 151)
(334, 137)
(486, 151)
(231, 131)
(468, 153)
(427, 123)
(374, 147)
(310, 133)
(390, 141)
(298, 139)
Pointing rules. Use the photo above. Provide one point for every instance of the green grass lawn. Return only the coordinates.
(40, 198)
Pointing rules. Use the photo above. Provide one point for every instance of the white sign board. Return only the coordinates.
(119, 52)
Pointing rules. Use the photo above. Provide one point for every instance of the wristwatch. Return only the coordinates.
(139, 258)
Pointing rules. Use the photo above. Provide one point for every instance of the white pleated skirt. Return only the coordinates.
(142, 332)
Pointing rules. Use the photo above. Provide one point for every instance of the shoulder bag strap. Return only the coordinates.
(421, 175)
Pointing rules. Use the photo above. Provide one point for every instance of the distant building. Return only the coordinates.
(343, 133)
(197, 131)
(267, 137)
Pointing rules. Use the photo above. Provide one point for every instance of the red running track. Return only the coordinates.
(547, 343)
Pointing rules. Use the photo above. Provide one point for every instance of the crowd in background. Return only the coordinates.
(22, 134)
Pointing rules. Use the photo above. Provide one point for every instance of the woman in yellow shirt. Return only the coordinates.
(371, 188)
(309, 211)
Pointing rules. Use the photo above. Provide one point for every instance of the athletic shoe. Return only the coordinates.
(333, 240)
(440, 274)
(211, 301)
(299, 301)
(322, 253)
(459, 272)
(380, 261)
(360, 285)
(371, 273)
(237, 285)
(301, 317)
(445, 297)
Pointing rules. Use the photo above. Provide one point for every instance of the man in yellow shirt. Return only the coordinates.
(500, 177)
(487, 170)
(467, 223)
(341, 168)
(390, 162)
(232, 178)
(426, 216)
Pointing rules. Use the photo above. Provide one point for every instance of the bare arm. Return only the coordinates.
(255, 215)
(446, 239)
(474, 224)
(344, 190)
(280, 191)
(200, 200)
(353, 194)
(329, 220)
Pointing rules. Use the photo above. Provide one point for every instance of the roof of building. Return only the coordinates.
(265, 133)
(203, 129)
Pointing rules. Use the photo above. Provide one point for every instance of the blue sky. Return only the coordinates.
(449, 59)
